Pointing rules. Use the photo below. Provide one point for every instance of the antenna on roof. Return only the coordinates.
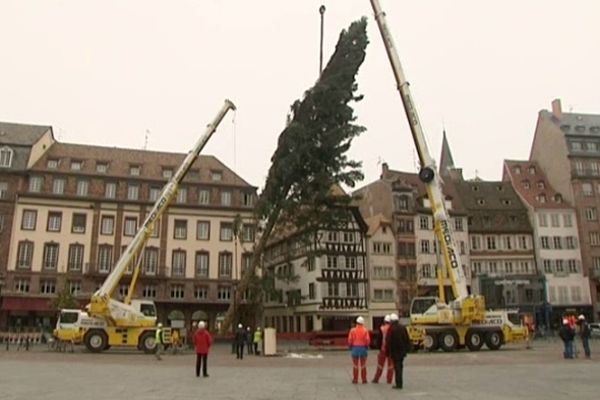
(146, 134)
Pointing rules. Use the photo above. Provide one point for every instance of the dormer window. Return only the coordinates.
(167, 172)
(101, 167)
(531, 170)
(52, 163)
(541, 185)
(506, 202)
(500, 188)
(475, 188)
(526, 184)
(76, 165)
(216, 175)
(576, 146)
(558, 198)
(134, 170)
(517, 170)
(542, 198)
(580, 129)
(480, 202)
(6, 154)
(595, 130)
(565, 128)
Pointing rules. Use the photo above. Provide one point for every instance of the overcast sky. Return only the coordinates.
(104, 72)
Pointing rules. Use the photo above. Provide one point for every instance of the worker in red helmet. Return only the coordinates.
(382, 356)
(359, 340)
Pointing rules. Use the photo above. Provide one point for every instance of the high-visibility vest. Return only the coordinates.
(158, 336)
(359, 336)
(257, 336)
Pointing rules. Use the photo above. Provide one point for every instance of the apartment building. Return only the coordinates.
(75, 208)
(557, 249)
(566, 146)
(319, 277)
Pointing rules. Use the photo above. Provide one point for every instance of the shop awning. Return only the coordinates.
(25, 304)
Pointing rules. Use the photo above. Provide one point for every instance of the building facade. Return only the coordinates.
(319, 277)
(75, 208)
(556, 240)
(567, 147)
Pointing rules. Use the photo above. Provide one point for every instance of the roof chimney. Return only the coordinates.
(384, 170)
(556, 109)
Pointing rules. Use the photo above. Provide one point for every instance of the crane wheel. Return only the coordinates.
(426, 174)
(474, 341)
(95, 340)
(448, 341)
(430, 342)
(493, 340)
(147, 343)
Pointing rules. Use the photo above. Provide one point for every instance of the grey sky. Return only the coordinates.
(103, 72)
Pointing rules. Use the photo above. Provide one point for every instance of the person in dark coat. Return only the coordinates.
(567, 334)
(398, 344)
(249, 339)
(585, 333)
(239, 340)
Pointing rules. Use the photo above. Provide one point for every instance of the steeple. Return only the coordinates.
(446, 160)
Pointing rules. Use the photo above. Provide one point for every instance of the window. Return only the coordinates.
(247, 233)
(130, 226)
(76, 165)
(110, 190)
(587, 190)
(167, 172)
(576, 146)
(6, 154)
(101, 167)
(75, 261)
(133, 191)
(557, 241)
(82, 187)
(2, 222)
(178, 263)
(594, 168)
(555, 220)
(542, 219)
(224, 293)
(177, 292)
(50, 260)
(590, 214)
(24, 254)
(475, 242)
(104, 258)
(202, 258)
(29, 220)
(545, 242)
(571, 242)
(560, 267)
(523, 242)
(406, 226)
(107, 225)
(216, 176)
(526, 184)
(531, 170)
(507, 243)
(201, 292)
(52, 163)
(333, 289)
(508, 267)
(576, 294)
(180, 229)
(226, 233)
(74, 287)
(225, 264)
(458, 224)
(427, 271)
(22, 285)
(203, 230)
(594, 238)
(247, 262)
(182, 195)
(311, 291)
(47, 286)
(567, 220)
(400, 203)
(541, 185)
(493, 267)
(332, 262)
(35, 184)
(424, 223)
(58, 186)
(204, 196)
(134, 170)
(3, 190)
(548, 266)
(425, 247)
(491, 243)
(154, 193)
(518, 170)
(247, 199)
(150, 261)
(225, 197)
(572, 265)
(149, 291)
(79, 221)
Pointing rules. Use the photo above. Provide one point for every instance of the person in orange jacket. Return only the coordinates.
(382, 356)
(359, 340)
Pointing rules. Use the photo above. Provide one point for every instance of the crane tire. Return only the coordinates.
(430, 342)
(95, 340)
(448, 341)
(493, 340)
(474, 340)
(147, 343)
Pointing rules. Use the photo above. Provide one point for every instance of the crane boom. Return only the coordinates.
(102, 296)
(428, 170)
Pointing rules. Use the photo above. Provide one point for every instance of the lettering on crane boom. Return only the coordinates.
(448, 242)
(154, 214)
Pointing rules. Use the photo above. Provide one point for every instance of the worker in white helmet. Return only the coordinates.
(382, 356)
(239, 340)
(585, 333)
(359, 340)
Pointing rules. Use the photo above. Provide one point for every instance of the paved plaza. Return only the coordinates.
(511, 373)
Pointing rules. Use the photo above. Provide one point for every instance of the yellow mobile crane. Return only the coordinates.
(108, 322)
(434, 321)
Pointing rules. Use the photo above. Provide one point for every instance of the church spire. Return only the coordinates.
(446, 160)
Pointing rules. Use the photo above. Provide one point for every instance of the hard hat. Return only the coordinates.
(565, 321)
(240, 326)
(159, 325)
(258, 328)
(360, 320)
(386, 318)
(393, 317)
(201, 324)
(581, 317)
(194, 323)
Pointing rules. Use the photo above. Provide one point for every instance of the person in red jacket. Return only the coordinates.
(359, 340)
(382, 356)
(202, 341)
